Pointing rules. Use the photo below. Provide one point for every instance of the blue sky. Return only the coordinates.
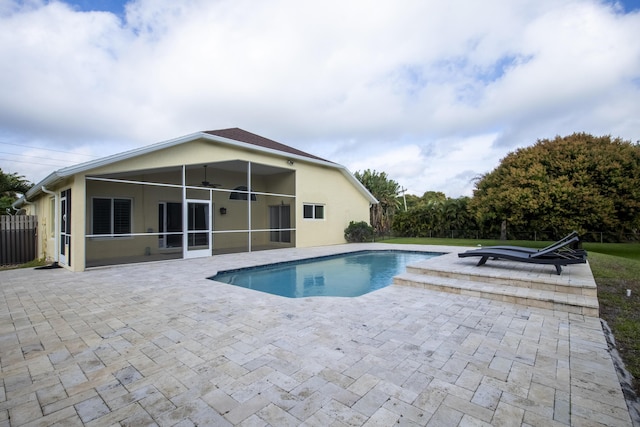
(117, 7)
(113, 6)
(433, 93)
(631, 5)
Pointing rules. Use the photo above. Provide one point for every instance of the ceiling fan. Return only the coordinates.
(206, 183)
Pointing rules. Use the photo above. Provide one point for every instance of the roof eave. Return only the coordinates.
(105, 161)
(51, 179)
(359, 186)
(63, 173)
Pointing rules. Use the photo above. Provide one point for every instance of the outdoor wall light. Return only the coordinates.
(223, 211)
(290, 162)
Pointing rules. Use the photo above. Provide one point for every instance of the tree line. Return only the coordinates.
(578, 182)
(11, 185)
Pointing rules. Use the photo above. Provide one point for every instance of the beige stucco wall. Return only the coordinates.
(78, 202)
(191, 153)
(311, 182)
(343, 203)
(42, 206)
(45, 241)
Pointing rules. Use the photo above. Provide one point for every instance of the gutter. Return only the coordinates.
(21, 201)
(25, 202)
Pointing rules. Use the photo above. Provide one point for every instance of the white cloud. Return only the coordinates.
(400, 164)
(429, 92)
(447, 165)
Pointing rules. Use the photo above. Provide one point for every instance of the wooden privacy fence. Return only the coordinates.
(18, 239)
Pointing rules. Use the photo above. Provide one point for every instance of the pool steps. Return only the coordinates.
(572, 293)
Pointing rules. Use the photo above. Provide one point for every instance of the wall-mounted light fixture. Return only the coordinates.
(223, 211)
(290, 162)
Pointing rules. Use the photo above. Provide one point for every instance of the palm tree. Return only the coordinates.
(386, 191)
(11, 184)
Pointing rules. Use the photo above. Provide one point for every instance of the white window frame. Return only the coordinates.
(314, 206)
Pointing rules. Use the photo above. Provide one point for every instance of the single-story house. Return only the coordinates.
(199, 195)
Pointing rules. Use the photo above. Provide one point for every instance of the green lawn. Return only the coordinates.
(624, 250)
(31, 264)
(615, 268)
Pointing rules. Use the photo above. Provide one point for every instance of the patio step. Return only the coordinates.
(549, 282)
(552, 296)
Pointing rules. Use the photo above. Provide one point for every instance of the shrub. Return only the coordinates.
(358, 232)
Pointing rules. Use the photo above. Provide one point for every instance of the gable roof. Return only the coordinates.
(231, 136)
(241, 135)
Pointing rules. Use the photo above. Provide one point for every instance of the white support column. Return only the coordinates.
(185, 213)
(249, 201)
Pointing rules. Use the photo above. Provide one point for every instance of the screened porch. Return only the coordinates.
(188, 211)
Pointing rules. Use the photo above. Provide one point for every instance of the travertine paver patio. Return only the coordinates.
(159, 344)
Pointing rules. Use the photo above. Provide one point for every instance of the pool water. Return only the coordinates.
(344, 275)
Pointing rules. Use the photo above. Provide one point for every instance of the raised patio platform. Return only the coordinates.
(530, 285)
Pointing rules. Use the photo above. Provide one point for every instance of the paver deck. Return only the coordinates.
(160, 344)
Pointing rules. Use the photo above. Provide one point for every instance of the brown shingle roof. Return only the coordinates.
(240, 135)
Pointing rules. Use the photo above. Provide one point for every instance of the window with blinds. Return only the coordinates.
(111, 216)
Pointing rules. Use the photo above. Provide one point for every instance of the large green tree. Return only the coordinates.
(386, 191)
(578, 182)
(11, 184)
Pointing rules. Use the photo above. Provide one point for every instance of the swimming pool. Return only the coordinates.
(343, 275)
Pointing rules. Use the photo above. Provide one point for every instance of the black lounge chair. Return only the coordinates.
(558, 254)
(565, 241)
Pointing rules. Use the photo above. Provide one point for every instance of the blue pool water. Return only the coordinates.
(345, 275)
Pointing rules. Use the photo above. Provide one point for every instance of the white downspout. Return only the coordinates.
(24, 201)
(56, 249)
